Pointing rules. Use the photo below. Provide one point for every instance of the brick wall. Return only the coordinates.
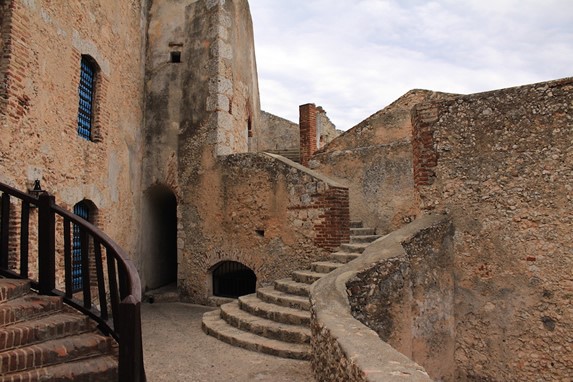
(425, 154)
(15, 62)
(335, 228)
(307, 123)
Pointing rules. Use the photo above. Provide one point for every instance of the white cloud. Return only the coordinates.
(355, 57)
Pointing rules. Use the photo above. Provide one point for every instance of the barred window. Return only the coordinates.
(86, 92)
(82, 210)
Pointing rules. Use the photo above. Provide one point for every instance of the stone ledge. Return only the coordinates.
(344, 349)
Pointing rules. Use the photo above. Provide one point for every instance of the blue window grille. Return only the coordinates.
(82, 210)
(86, 93)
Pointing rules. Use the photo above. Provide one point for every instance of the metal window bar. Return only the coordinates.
(82, 211)
(86, 93)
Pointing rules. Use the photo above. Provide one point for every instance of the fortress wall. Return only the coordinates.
(273, 216)
(203, 107)
(501, 164)
(380, 182)
(277, 133)
(41, 47)
(375, 159)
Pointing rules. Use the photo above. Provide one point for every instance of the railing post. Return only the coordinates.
(130, 342)
(46, 243)
(4, 229)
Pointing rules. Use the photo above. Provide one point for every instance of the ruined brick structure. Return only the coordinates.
(175, 169)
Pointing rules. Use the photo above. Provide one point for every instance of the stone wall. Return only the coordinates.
(277, 133)
(501, 164)
(375, 159)
(204, 106)
(325, 129)
(42, 43)
(409, 299)
(267, 213)
(394, 303)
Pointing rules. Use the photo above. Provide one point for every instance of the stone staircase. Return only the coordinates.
(43, 340)
(275, 320)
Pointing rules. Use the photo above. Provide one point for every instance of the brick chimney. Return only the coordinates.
(307, 124)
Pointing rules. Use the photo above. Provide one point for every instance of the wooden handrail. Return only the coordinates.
(121, 279)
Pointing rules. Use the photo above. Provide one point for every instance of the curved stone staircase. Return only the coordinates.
(275, 320)
(43, 340)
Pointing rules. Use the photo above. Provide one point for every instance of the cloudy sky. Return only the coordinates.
(354, 57)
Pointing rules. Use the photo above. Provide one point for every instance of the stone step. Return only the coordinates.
(324, 266)
(240, 319)
(252, 304)
(215, 326)
(292, 287)
(364, 238)
(12, 288)
(353, 247)
(54, 352)
(362, 231)
(94, 369)
(44, 329)
(28, 307)
(307, 277)
(343, 257)
(355, 224)
(273, 296)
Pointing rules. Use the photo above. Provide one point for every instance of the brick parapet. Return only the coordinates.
(307, 123)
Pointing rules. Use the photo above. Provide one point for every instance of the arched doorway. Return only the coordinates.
(161, 262)
(233, 279)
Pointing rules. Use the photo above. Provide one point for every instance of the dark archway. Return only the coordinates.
(233, 279)
(161, 263)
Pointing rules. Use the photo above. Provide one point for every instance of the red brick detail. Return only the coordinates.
(307, 124)
(335, 226)
(15, 59)
(424, 149)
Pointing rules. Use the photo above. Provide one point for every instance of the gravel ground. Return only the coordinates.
(177, 350)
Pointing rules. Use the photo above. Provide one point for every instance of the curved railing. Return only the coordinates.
(110, 290)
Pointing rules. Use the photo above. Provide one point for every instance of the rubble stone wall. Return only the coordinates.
(381, 316)
(501, 164)
(267, 213)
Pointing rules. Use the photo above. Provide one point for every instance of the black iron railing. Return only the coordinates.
(111, 290)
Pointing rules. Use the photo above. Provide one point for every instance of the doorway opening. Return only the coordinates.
(161, 265)
(233, 279)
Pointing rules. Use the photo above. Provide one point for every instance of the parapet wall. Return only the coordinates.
(501, 164)
(393, 304)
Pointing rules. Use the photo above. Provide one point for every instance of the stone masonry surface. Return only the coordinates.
(501, 164)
